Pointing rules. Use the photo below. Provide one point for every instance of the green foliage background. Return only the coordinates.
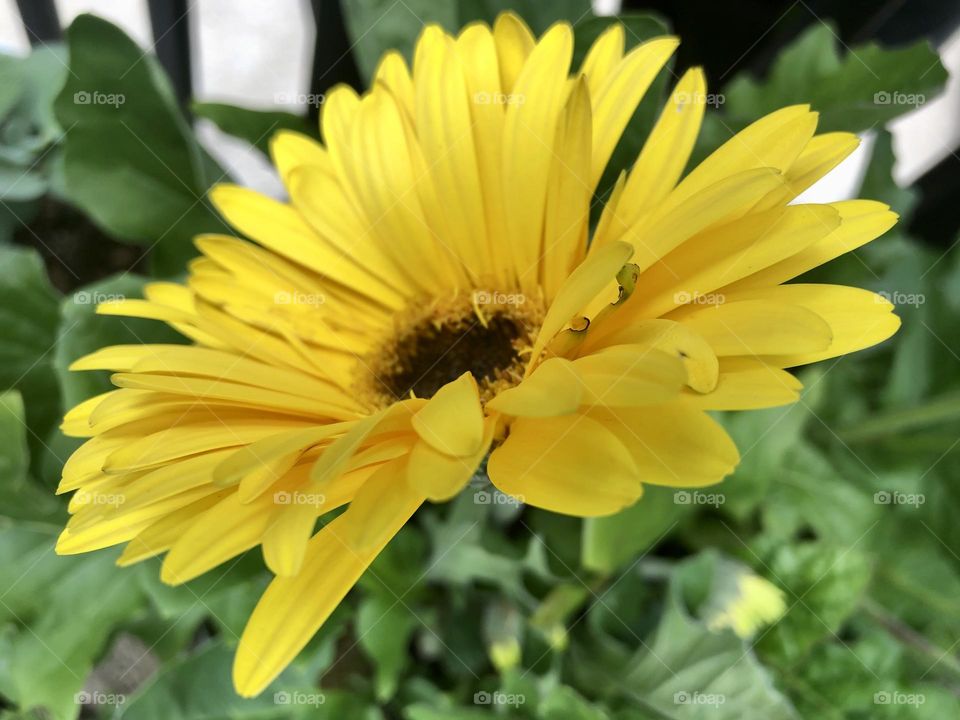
(598, 620)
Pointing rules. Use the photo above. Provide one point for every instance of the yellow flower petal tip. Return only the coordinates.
(355, 351)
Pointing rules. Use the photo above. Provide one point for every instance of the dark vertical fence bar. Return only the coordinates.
(40, 20)
(171, 33)
(333, 60)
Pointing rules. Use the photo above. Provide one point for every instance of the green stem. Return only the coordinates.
(938, 410)
(910, 637)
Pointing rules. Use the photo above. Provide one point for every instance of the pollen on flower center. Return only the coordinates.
(435, 344)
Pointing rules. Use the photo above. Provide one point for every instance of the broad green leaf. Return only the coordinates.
(565, 703)
(868, 86)
(610, 542)
(254, 126)
(687, 671)
(21, 497)
(384, 629)
(64, 610)
(380, 25)
(131, 161)
(199, 688)
(29, 318)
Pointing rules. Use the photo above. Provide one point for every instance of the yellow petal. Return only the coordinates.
(514, 43)
(860, 222)
(584, 284)
(293, 608)
(439, 476)
(673, 444)
(285, 540)
(627, 375)
(857, 318)
(617, 100)
(452, 420)
(748, 384)
(667, 150)
(759, 327)
(553, 388)
(569, 464)
(673, 338)
(603, 57)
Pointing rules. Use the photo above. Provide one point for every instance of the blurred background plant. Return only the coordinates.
(820, 581)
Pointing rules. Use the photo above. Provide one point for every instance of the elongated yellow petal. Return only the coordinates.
(514, 43)
(857, 318)
(293, 608)
(617, 99)
(667, 150)
(759, 327)
(603, 57)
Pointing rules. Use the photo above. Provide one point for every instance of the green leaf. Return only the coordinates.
(254, 126)
(131, 161)
(690, 672)
(565, 703)
(20, 496)
(64, 610)
(384, 629)
(29, 341)
(829, 581)
(200, 688)
(610, 542)
(868, 86)
(380, 25)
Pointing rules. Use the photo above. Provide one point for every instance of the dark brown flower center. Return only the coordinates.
(435, 346)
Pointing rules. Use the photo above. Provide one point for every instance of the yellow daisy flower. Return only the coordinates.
(428, 297)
